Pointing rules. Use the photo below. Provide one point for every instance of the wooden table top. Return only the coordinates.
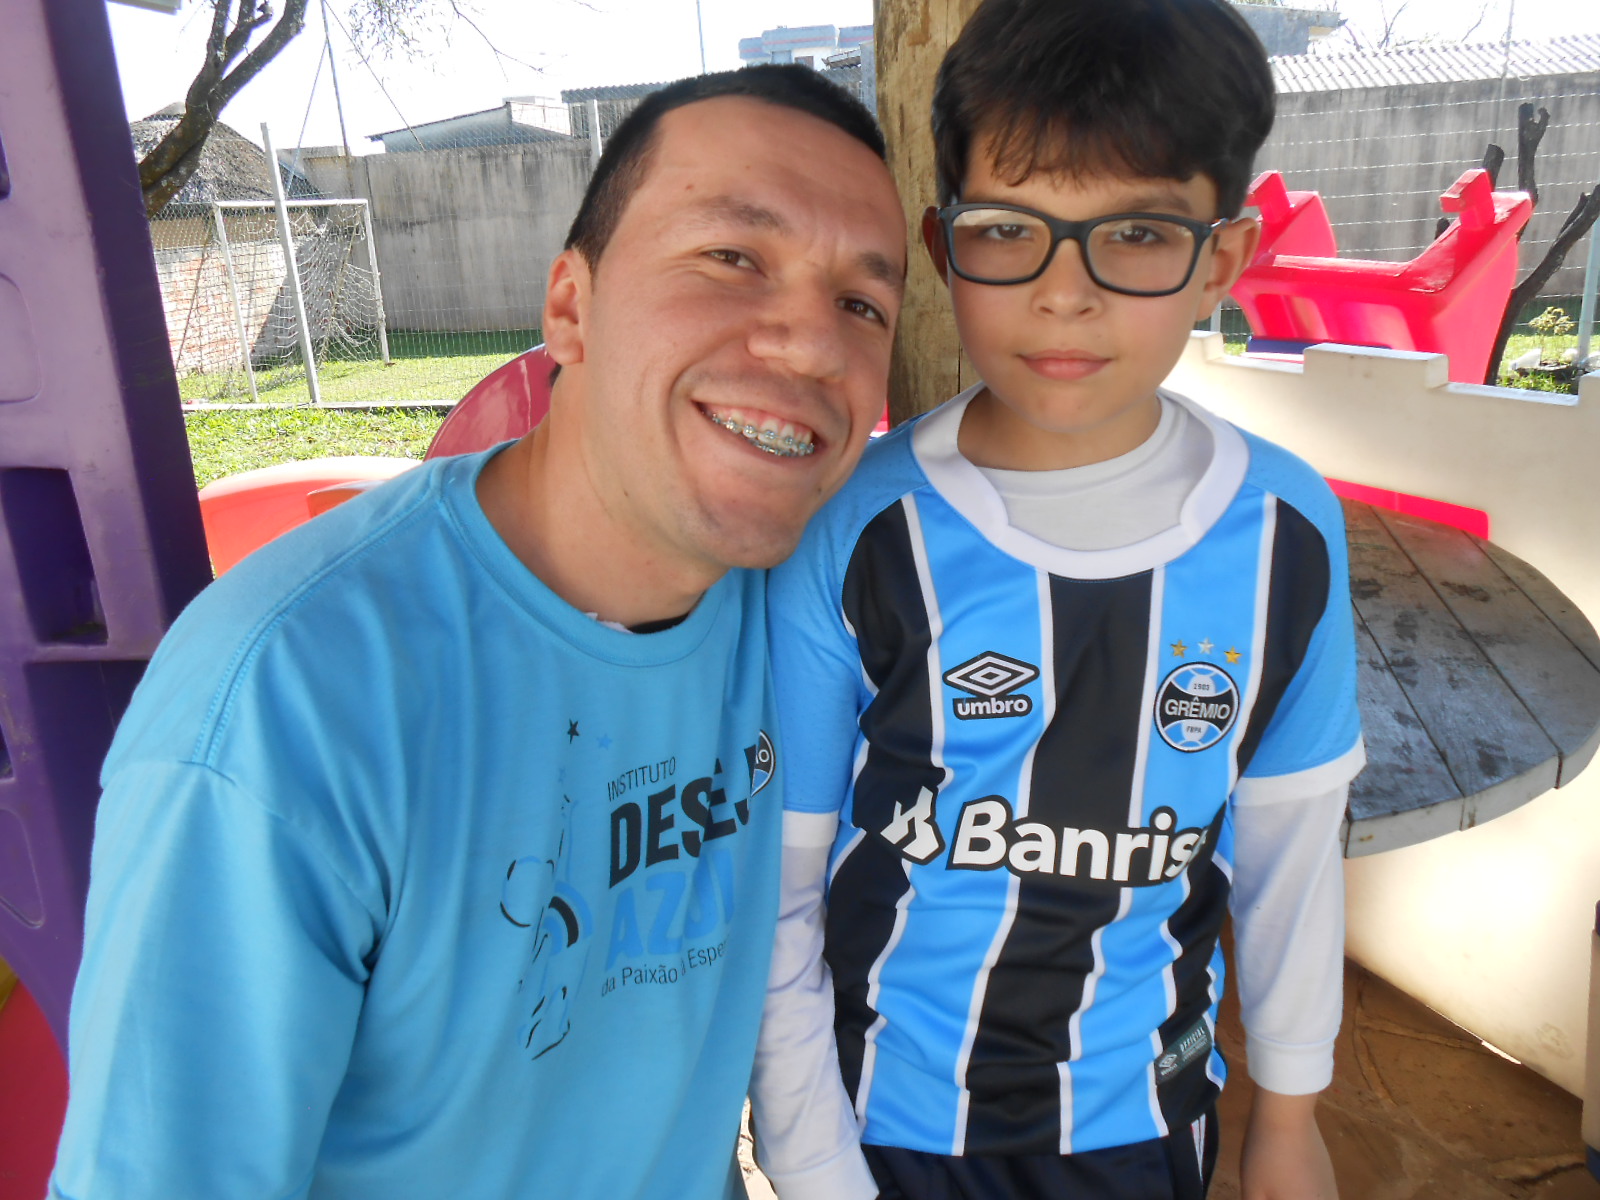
(1479, 681)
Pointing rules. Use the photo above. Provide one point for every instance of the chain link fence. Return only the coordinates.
(1380, 136)
(440, 246)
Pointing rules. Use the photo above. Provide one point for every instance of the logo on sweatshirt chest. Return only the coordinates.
(989, 681)
(1196, 705)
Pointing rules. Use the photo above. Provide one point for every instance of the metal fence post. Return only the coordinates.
(377, 280)
(1591, 283)
(594, 132)
(233, 296)
(295, 293)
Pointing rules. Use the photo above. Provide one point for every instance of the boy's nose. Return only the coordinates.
(1066, 288)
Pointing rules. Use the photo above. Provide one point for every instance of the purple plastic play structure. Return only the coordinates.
(100, 537)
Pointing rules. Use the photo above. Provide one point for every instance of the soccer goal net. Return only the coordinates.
(245, 304)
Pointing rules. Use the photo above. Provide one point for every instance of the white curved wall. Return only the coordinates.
(1491, 926)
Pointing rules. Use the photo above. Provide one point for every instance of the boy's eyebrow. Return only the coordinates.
(717, 209)
(1162, 200)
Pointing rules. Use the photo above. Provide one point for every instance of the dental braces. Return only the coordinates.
(764, 439)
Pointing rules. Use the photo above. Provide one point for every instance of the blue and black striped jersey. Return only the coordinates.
(1032, 751)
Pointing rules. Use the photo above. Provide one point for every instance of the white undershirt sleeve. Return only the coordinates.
(1288, 928)
(807, 1139)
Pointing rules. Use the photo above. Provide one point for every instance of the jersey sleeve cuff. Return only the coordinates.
(1297, 785)
(1288, 1070)
(809, 830)
(846, 1177)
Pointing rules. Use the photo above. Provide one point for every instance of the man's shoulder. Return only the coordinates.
(322, 595)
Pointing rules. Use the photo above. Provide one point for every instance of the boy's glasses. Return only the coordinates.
(1136, 254)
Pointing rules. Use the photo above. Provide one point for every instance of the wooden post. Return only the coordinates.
(911, 38)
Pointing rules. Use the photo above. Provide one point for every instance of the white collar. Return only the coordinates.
(934, 443)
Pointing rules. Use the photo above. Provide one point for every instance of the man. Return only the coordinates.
(437, 854)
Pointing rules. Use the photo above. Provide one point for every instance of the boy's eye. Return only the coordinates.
(1135, 233)
(1010, 232)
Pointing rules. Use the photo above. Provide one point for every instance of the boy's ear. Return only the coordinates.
(566, 307)
(933, 239)
(1233, 249)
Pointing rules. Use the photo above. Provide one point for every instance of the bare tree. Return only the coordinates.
(230, 62)
(1531, 127)
(1384, 32)
(245, 36)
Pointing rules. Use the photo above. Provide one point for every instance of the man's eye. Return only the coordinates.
(734, 258)
(862, 309)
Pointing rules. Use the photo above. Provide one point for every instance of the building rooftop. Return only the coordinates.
(620, 91)
(1439, 63)
(232, 167)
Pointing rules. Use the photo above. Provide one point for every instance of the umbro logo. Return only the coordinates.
(990, 678)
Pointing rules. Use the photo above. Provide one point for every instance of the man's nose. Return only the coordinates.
(800, 328)
(1066, 288)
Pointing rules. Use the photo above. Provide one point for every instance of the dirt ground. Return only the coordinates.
(1419, 1110)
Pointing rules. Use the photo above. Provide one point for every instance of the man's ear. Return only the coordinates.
(566, 307)
(933, 239)
(1233, 249)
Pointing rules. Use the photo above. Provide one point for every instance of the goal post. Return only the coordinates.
(315, 291)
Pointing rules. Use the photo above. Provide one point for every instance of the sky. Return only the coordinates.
(548, 45)
(557, 44)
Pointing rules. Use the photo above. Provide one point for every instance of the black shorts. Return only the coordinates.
(1176, 1167)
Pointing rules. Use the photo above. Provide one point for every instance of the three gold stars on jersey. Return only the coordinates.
(1206, 646)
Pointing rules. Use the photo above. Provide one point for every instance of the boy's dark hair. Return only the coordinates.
(1163, 89)
(626, 157)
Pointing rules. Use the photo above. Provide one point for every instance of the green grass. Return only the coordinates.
(426, 366)
(225, 443)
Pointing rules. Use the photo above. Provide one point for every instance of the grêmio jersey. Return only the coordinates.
(1033, 753)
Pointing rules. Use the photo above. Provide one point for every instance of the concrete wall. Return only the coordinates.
(1489, 926)
(1381, 156)
(465, 237)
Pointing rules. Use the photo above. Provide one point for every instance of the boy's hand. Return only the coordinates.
(1284, 1156)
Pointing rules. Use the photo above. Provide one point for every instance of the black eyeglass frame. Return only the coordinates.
(1077, 231)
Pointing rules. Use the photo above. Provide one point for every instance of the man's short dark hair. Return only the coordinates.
(626, 156)
(1163, 89)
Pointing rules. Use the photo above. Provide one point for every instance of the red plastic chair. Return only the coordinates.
(245, 511)
(505, 404)
(1449, 299)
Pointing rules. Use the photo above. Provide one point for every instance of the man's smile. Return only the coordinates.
(764, 431)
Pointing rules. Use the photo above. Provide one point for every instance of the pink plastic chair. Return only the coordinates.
(1449, 299)
(505, 404)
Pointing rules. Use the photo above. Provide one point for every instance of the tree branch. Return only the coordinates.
(172, 162)
(1530, 132)
(1578, 223)
(1493, 159)
(462, 15)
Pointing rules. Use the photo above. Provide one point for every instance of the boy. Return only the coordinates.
(1065, 672)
